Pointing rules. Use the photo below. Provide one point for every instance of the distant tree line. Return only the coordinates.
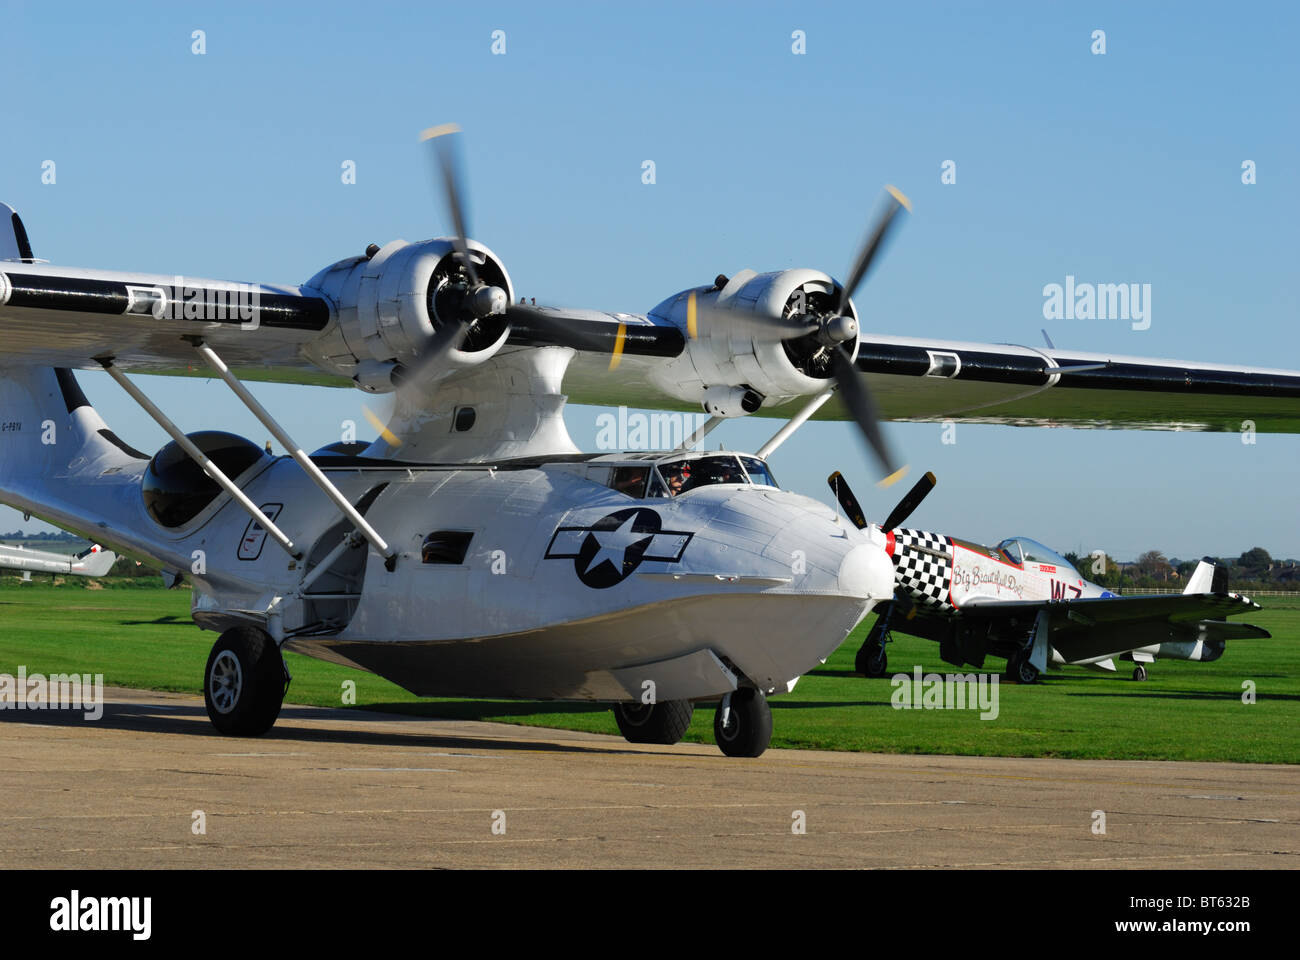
(58, 536)
(1253, 570)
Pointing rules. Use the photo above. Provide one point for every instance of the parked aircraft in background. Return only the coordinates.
(1025, 602)
(95, 562)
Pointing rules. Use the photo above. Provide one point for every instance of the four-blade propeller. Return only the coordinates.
(853, 510)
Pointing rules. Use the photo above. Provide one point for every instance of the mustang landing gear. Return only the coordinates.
(1020, 670)
(664, 722)
(872, 660)
(244, 683)
(743, 724)
(1139, 672)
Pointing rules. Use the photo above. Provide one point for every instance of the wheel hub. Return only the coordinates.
(227, 682)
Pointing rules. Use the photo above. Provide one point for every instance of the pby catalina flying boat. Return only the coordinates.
(1023, 601)
(94, 562)
(472, 549)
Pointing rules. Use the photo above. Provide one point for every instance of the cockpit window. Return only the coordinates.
(683, 476)
(758, 471)
(1023, 550)
(629, 480)
(1011, 549)
(1035, 552)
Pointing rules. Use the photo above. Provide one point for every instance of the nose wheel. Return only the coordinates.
(1139, 673)
(742, 726)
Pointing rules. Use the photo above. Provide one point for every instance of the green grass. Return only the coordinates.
(1185, 711)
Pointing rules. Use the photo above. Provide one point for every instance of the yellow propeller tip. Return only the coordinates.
(616, 357)
(439, 131)
(900, 197)
(894, 477)
(390, 438)
(692, 317)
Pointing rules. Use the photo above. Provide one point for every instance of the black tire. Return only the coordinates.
(1020, 670)
(872, 661)
(1139, 673)
(749, 725)
(664, 722)
(243, 685)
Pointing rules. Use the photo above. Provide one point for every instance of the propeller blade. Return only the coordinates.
(447, 163)
(563, 330)
(857, 398)
(433, 354)
(872, 246)
(910, 502)
(852, 509)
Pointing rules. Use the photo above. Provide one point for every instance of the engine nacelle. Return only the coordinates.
(388, 306)
(777, 370)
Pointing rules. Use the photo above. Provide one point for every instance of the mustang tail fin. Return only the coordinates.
(1208, 577)
(95, 562)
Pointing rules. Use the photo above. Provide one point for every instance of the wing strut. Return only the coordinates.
(797, 421)
(199, 457)
(314, 472)
(700, 434)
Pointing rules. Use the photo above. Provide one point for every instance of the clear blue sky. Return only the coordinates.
(1114, 168)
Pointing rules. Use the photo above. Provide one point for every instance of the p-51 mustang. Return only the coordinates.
(472, 550)
(94, 562)
(1025, 602)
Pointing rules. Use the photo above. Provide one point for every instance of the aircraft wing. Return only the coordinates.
(1092, 627)
(936, 380)
(68, 317)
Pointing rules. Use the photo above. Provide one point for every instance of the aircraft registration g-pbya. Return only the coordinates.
(472, 549)
(1025, 602)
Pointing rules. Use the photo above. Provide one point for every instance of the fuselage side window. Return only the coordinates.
(445, 546)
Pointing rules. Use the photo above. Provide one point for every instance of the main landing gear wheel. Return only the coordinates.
(1139, 672)
(748, 727)
(244, 683)
(872, 661)
(1020, 670)
(664, 722)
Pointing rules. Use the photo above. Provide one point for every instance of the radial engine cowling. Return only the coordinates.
(389, 305)
(778, 370)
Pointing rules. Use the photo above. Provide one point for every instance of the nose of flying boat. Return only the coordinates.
(866, 571)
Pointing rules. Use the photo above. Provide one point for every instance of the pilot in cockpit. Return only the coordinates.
(677, 475)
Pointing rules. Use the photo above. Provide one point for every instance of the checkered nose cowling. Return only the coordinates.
(923, 565)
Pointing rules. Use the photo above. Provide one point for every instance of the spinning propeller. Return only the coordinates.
(830, 330)
(472, 301)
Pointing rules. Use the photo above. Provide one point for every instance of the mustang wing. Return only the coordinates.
(1098, 626)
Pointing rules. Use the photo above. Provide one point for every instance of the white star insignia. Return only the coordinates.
(614, 545)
